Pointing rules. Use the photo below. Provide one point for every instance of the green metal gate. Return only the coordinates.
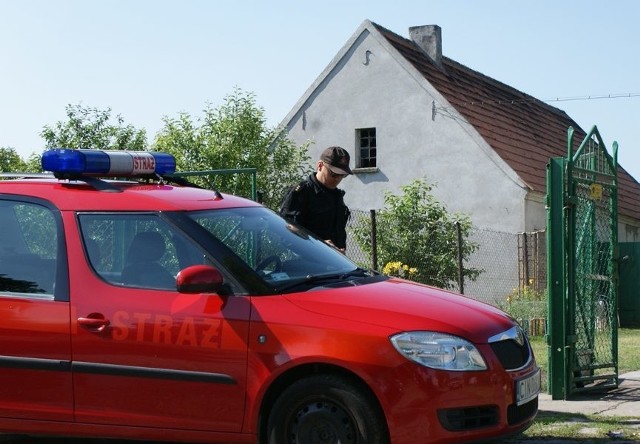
(582, 268)
(629, 285)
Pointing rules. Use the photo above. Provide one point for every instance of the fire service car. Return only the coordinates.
(138, 307)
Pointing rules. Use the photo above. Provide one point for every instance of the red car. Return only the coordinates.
(145, 309)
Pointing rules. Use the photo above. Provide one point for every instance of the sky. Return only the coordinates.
(150, 59)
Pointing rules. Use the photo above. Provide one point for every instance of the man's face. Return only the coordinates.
(327, 177)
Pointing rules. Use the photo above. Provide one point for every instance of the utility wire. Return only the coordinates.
(558, 99)
(600, 96)
(447, 112)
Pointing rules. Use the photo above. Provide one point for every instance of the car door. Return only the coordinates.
(35, 358)
(144, 354)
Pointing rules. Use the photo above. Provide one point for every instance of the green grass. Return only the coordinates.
(582, 428)
(587, 428)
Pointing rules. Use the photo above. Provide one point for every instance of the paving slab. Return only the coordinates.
(621, 401)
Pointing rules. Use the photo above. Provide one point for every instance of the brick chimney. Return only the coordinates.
(429, 40)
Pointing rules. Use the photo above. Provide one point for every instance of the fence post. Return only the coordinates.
(460, 269)
(557, 293)
(525, 262)
(374, 242)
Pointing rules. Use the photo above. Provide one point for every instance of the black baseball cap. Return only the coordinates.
(337, 159)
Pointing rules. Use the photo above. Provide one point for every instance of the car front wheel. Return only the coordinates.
(326, 409)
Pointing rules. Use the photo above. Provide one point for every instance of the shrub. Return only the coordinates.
(417, 230)
(526, 303)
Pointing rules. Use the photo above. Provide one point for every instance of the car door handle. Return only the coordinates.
(94, 323)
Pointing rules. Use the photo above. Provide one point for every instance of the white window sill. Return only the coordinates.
(365, 170)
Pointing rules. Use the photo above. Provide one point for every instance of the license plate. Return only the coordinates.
(527, 388)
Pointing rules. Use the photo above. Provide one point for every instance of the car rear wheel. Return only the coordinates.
(326, 409)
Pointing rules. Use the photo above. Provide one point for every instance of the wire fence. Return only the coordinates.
(512, 265)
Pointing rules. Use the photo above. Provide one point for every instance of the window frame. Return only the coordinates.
(60, 289)
(364, 138)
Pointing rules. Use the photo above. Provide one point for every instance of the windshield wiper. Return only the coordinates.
(311, 280)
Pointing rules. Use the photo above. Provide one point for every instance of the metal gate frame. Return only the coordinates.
(582, 249)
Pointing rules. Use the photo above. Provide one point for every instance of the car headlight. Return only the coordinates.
(439, 350)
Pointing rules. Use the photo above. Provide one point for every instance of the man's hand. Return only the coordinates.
(330, 242)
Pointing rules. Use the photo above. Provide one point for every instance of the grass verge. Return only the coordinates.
(574, 427)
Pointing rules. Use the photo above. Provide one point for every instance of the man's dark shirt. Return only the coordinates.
(318, 209)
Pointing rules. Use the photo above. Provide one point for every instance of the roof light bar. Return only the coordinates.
(70, 162)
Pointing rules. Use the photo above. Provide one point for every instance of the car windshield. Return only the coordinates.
(283, 254)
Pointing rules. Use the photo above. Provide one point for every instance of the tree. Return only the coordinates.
(417, 237)
(10, 161)
(235, 136)
(33, 163)
(93, 128)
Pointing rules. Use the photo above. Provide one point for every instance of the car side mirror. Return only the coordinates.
(199, 279)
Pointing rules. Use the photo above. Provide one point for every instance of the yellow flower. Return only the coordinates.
(397, 268)
(391, 268)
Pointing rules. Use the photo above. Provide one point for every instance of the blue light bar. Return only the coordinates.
(68, 162)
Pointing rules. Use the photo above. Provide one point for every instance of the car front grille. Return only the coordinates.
(511, 354)
(472, 418)
(468, 418)
(511, 348)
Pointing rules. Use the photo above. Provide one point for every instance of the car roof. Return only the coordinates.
(121, 195)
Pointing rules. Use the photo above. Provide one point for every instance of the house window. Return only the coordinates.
(366, 139)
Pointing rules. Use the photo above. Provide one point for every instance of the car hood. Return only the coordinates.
(406, 306)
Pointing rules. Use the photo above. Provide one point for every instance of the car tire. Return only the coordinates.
(326, 409)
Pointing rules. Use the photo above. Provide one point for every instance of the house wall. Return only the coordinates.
(628, 230)
(366, 87)
(535, 212)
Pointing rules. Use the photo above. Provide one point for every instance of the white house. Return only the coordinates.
(405, 111)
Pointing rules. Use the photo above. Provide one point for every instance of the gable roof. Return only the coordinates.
(524, 131)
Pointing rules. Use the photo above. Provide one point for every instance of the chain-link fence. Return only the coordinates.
(512, 265)
(594, 296)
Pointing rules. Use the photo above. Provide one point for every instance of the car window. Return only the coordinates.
(137, 250)
(278, 251)
(28, 248)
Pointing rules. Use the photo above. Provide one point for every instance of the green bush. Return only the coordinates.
(417, 232)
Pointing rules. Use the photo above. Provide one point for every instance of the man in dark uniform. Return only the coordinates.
(317, 203)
